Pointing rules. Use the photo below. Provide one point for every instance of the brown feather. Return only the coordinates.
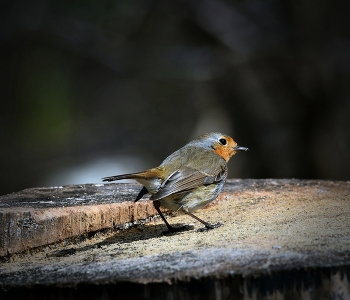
(184, 180)
(148, 174)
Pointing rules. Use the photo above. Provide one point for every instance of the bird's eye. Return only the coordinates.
(223, 141)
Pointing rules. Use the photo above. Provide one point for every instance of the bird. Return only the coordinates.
(188, 179)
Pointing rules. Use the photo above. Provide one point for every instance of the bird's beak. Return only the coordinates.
(239, 148)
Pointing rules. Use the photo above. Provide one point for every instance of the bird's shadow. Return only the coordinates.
(135, 233)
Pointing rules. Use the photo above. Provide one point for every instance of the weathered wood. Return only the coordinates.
(41, 216)
(279, 237)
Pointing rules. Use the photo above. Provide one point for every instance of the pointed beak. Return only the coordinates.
(239, 148)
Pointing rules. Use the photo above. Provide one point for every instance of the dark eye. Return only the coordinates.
(223, 141)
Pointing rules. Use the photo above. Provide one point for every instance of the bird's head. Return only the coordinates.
(221, 144)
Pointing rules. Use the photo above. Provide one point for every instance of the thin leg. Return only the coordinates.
(143, 192)
(170, 228)
(206, 224)
(156, 206)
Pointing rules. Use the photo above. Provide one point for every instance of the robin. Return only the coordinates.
(188, 179)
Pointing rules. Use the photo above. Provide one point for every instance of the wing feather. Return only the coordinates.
(186, 179)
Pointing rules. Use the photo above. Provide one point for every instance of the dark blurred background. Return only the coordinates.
(96, 88)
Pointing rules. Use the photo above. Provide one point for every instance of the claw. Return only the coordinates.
(209, 226)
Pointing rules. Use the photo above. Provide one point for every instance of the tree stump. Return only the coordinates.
(284, 239)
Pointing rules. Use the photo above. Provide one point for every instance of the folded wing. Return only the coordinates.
(186, 179)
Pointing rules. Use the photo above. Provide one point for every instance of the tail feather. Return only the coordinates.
(122, 176)
(151, 173)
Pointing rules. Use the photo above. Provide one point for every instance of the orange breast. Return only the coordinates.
(225, 153)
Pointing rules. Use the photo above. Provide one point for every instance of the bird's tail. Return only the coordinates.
(139, 175)
(120, 177)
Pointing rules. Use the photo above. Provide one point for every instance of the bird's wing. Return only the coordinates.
(186, 179)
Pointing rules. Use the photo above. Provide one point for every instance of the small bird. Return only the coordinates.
(188, 179)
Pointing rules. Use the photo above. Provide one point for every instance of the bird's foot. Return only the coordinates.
(209, 226)
(178, 229)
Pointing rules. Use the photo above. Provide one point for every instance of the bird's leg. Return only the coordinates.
(143, 192)
(171, 229)
(156, 206)
(206, 224)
